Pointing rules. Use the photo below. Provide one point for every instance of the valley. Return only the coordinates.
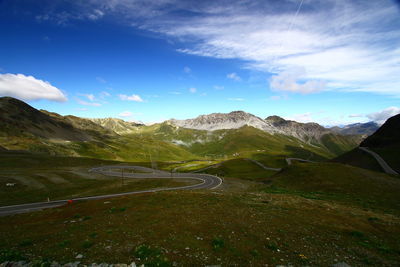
(290, 194)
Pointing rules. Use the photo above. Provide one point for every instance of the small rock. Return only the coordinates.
(79, 256)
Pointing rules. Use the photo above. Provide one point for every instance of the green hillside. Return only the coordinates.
(25, 128)
(338, 182)
(249, 142)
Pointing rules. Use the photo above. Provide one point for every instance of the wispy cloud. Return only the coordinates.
(95, 14)
(101, 80)
(175, 93)
(90, 97)
(219, 87)
(290, 81)
(125, 114)
(234, 76)
(381, 116)
(341, 45)
(133, 97)
(187, 70)
(104, 94)
(29, 88)
(236, 99)
(85, 103)
(192, 90)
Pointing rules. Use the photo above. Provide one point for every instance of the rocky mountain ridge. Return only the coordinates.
(23, 127)
(307, 132)
(367, 128)
(222, 121)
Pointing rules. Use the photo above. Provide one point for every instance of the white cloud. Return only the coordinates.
(82, 102)
(234, 76)
(175, 93)
(192, 90)
(187, 70)
(289, 81)
(104, 94)
(96, 14)
(236, 99)
(381, 116)
(133, 97)
(219, 87)
(88, 96)
(29, 88)
(125, 114)
(356, 116)
(349, 45)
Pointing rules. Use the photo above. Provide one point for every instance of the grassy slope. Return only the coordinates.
(391, 155)
(240, 168)
(386, 142)
(241, 229)
(312, 215)
(249, 142)
(38, 177)
(125, 148)
(359, 158)
(339, 182)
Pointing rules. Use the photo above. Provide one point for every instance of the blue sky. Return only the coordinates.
(333, 61)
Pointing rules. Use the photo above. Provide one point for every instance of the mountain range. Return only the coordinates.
(215, 135)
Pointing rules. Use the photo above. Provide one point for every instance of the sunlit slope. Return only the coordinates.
(26, 128)
(249, 142)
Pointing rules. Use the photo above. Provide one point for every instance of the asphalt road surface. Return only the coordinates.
(386, 168)
(206, 182)
(289, 160)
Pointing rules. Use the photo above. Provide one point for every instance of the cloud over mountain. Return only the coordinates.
(29, 88)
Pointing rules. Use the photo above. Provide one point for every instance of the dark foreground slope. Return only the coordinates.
(385, 141)
(339, 182)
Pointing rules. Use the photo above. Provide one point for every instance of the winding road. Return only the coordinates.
(386, 168)
(206, 182)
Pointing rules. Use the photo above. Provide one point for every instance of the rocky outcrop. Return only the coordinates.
(303, 131)
(220, 121)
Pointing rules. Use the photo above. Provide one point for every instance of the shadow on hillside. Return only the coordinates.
(298, 152)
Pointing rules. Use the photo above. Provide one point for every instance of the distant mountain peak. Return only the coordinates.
(367, 128)
(219, 121)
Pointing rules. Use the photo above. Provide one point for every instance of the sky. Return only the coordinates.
(333, 62)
